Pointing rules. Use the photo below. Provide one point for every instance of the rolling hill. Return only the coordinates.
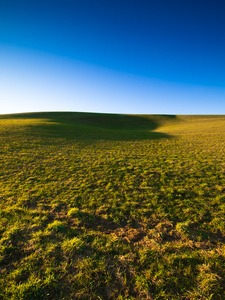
(109, 206)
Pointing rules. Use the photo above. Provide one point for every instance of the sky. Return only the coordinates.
(118, 56)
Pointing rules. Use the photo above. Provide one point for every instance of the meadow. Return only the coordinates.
(103, 206)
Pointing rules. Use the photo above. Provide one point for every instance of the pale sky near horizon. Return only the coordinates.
(146, 57)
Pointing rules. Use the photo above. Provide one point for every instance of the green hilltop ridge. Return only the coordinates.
(97, 125)
(112, 206)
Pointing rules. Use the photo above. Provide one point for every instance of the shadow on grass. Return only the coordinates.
(94, 126)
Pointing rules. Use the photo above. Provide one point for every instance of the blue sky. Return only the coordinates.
(146, 56)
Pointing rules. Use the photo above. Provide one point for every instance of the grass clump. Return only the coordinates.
(112, 206)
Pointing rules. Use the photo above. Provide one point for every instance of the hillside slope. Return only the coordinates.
(92, 125)
(103, 206)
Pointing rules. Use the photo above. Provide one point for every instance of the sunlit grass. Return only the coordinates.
(112, 207)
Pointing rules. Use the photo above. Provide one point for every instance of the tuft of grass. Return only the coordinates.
(106, 206)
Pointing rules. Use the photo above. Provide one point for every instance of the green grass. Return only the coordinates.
(103, 206)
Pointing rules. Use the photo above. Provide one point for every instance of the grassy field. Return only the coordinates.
(97, 206)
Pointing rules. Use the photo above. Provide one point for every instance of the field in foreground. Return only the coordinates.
(96, 206)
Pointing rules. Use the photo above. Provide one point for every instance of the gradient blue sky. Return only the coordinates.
(146, 56)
